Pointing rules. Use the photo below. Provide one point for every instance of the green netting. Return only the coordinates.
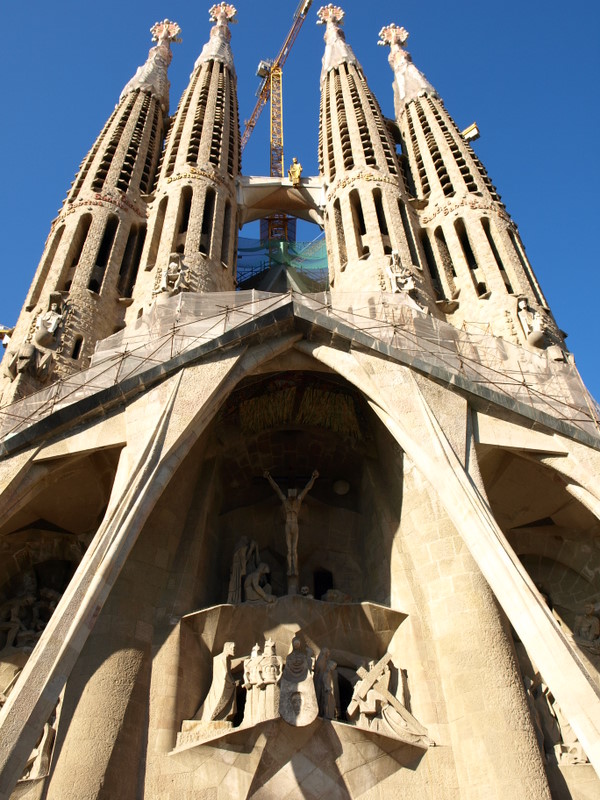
(307, 259)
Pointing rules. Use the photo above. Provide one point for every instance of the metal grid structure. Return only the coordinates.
(478, 363)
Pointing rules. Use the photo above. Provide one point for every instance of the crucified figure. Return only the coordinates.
(291, 506)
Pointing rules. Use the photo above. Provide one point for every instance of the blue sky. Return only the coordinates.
(527, 72)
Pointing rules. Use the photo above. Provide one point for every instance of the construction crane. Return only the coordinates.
(270, 73)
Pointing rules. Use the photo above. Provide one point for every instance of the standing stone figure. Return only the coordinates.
(374, 708)
(271, 669)
(252, 686)
(291, 506)
(294, 172)
(220, 704)
(245, 561)
(47, 324)
(326, 685)
(297, 701)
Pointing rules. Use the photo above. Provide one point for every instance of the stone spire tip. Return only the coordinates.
(152, 76)
(330, 14)
(393, 36)
(409, 82)
(337, 51)
(165, 32)
(222, 14)
(217, 48)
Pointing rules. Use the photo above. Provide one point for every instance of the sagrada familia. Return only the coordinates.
(262, 541)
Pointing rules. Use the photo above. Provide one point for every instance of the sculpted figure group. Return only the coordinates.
(299, 690)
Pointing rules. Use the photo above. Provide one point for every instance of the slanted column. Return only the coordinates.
(89, 265)
(194, 210)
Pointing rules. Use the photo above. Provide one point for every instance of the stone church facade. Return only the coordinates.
(293, 544)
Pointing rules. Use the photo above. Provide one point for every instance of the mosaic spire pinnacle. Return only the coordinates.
(217, 48)
(337, 51)
(152, 76)
(409, 82)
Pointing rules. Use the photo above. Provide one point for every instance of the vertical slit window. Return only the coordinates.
(226, 234)
(131, 260)
(219, 119)
(45, 269)
(345, 142)
(176, 131)
(75, 250)
(444, 252)
(409, 233)
(432, 265)
(488, 232)
(201, 103)
(111, 148)
(207, 222)
(129, 162)
(157, 232)
(77, 345)
(339, 233)
(380, 212)
(151, 152)
(476, 274)
(359, 222)
(526, 268)
(185, 208)
(421, 171)
(104, 251)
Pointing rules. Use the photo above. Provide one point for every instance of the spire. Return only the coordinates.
(337, 51)
(152, 77)
(217, 48)
(409, 82)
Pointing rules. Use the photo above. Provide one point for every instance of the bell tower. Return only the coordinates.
(370, 228)
(89, 266)
(472, 247)
(193, 218)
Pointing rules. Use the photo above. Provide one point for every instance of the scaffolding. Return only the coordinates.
(528, 383)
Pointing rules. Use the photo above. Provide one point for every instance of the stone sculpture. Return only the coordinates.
(246, 559)
(298, 701)
(587, 625)
(374, 708)
(326, 685)
(172, 277)
(46, 325)
(220, 703)
(262, 674)
(256, 588)
(29, 360)
(531, 322)
(401, 278)
(294, 172)
(252, 685)
(291, 507)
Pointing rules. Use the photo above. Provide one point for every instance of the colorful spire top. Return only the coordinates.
(217, 48)
(409, 82)
(337, 51)
(152, 76)
(222, 13)
(333, 14)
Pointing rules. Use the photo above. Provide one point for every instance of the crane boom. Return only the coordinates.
(265, 90)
